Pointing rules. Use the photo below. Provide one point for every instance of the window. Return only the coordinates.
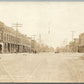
(0, 35)
(7, 37)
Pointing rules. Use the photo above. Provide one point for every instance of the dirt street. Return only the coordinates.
(42, 67)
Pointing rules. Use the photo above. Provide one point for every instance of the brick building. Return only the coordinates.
(35, 46)
(81, 43)
(13, 41)
(73, 45)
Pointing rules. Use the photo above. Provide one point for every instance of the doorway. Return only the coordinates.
(0, 48)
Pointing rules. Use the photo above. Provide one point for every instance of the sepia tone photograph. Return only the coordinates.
(41, 41)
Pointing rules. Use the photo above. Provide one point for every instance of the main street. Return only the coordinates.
(42, 67)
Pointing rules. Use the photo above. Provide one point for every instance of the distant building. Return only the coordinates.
(67, 48)
(76, 44)
(81, 43)
(73, 45)
(33, 45)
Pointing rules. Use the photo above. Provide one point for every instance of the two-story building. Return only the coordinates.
(81, 43)
(13, 41)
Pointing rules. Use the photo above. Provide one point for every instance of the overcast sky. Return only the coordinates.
(38, 17)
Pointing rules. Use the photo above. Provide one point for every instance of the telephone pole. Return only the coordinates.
(16, 25)
(49, 31)
(40, 38)
(72, 40)
(72, 35)
(34, 37)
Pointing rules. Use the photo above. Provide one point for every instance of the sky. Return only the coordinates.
(38, 18)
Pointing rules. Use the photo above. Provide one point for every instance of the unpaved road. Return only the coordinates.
(42, 67)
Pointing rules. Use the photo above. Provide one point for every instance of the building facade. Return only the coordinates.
(73, 45)
(81, 43)
(12, 41)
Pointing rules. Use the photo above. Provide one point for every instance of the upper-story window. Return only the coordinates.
(7, 37)
(4, 36)
(0, 35)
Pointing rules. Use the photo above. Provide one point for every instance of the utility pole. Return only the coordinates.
(72, 35)
(65, 43)
(34, 37)
(40, 43)
(40, 38)
(49, 31)
(72, 40)
(33, 44)
(49, 28)
(16, 25)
